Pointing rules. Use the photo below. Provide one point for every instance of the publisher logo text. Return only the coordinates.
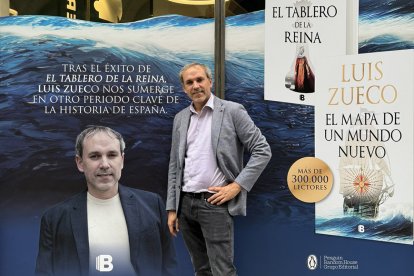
(104, 263)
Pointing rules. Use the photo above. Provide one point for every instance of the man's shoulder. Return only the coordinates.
(182, 112)
(180, 117)
(138, 193)
(227, 103)
(66, 205)
(148, 203)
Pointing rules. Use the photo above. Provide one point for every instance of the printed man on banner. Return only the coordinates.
(108, 227)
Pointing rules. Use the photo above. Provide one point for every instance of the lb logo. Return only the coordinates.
(104, 263)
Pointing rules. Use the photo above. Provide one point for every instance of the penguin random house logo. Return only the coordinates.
(312, 262)
(104, 263)
(326, 262)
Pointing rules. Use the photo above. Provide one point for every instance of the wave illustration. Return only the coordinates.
(386, 25)
(40, 153)
(33, 46)
(378, 9)
(394, 223)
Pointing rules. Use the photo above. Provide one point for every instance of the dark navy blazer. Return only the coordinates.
(64, 246)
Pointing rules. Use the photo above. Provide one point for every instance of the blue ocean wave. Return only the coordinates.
(397, 228)
(62, 22)
(168, 21)
(247, 19)
(384, 43)
(375, 9)
(33, 46)
(42, 145)
(386, 25)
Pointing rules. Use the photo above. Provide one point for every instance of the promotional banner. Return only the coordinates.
(57, 77)
(50, 69)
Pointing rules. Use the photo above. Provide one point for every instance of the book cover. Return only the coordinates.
(364, 132)
(299, 34)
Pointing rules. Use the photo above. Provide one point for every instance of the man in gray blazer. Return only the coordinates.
(207, 183)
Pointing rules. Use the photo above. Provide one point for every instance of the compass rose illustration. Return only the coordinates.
(362, 183)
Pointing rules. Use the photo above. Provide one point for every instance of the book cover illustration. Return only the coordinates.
(364, 132)
(298, 35)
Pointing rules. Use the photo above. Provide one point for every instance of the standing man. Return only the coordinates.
(207, 183)
(108, 229)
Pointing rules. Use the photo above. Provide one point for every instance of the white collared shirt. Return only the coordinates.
(201, 170)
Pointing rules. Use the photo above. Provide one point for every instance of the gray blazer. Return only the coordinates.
(232, 130)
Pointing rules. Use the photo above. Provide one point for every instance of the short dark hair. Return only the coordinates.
(205, 67)
(91, 130)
